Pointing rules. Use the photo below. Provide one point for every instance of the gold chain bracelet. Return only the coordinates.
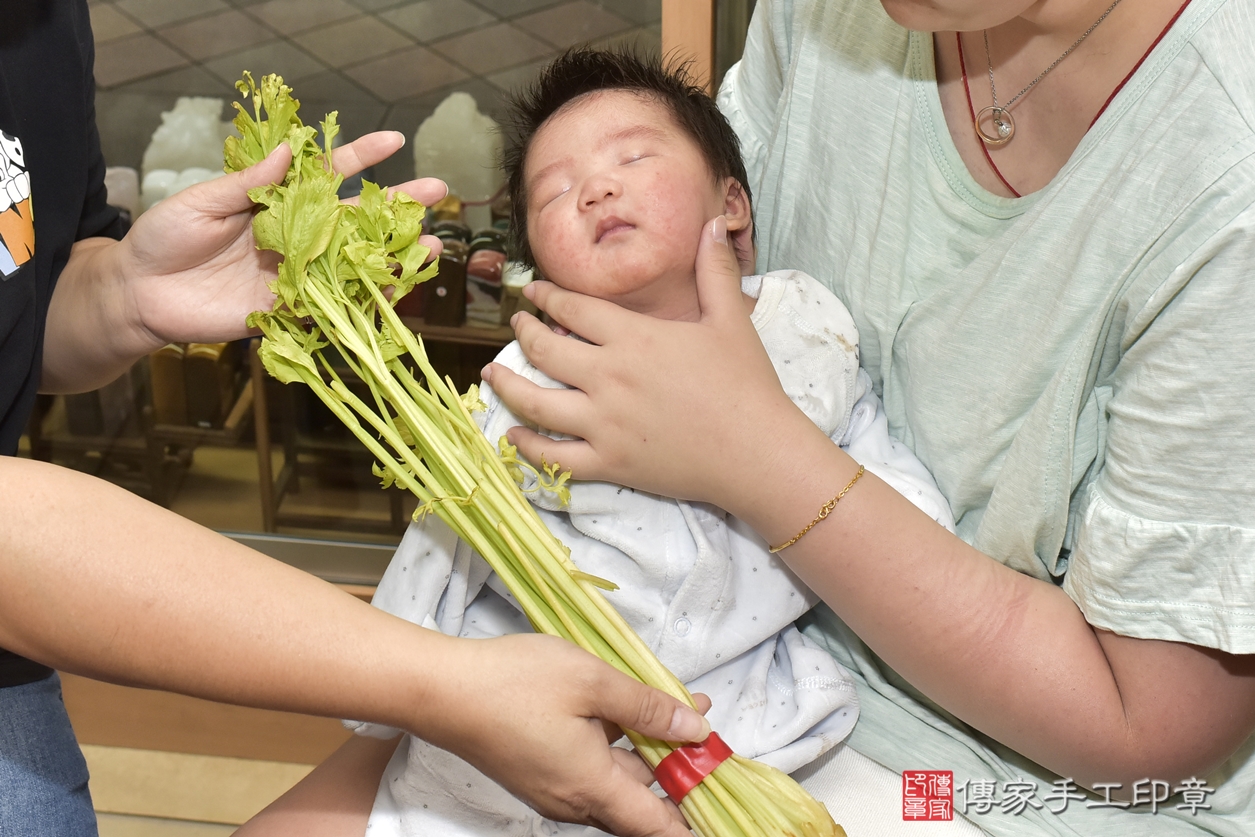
(823, 512)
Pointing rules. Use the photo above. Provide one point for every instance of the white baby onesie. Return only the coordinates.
(699, 586)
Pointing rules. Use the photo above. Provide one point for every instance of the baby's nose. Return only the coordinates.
(597, 196)
(599, 189)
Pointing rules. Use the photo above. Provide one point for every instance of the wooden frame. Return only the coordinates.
(688, 33)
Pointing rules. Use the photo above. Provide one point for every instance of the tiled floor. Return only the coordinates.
(384, 64)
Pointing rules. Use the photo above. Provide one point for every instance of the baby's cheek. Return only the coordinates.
(557, 255)
(679, 214)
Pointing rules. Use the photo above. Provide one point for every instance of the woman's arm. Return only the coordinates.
(694, 410)
(95, 581)
(1011, 655)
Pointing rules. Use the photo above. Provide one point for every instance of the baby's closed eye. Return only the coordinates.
(549, 194)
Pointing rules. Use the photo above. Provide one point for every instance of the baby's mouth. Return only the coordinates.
(609, 226)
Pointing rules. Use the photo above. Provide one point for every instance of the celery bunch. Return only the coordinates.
(337, 261)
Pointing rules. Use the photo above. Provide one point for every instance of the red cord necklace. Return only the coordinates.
(958, 37)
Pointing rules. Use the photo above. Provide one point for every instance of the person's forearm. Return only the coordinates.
(1010, 655)
(98, 582)
(92, 335)
(95, 581)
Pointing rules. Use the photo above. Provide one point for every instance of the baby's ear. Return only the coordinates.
(736, 208)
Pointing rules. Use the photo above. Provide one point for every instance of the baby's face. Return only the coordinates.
(617, 196)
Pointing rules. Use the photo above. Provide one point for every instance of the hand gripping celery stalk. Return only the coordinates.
(337, 262)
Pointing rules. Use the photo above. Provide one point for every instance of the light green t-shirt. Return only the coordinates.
(1076, 367)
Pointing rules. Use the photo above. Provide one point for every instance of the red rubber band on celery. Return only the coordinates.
(686, 766)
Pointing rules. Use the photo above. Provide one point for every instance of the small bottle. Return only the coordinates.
(451, 230)
(444, 295)
(448, 208)
(483, 277)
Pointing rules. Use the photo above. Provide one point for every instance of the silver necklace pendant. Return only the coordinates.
(995, 125)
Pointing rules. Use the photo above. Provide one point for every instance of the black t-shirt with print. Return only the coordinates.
(51, 172)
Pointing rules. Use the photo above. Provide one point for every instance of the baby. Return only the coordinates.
(615, 168)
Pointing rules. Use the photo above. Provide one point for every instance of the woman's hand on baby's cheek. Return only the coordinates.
(683, 409)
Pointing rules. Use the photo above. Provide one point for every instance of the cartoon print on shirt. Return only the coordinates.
(17, 228)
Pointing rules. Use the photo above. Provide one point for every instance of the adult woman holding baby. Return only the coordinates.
(1042, 226)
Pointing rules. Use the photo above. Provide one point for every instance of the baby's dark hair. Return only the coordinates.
(581, 71)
